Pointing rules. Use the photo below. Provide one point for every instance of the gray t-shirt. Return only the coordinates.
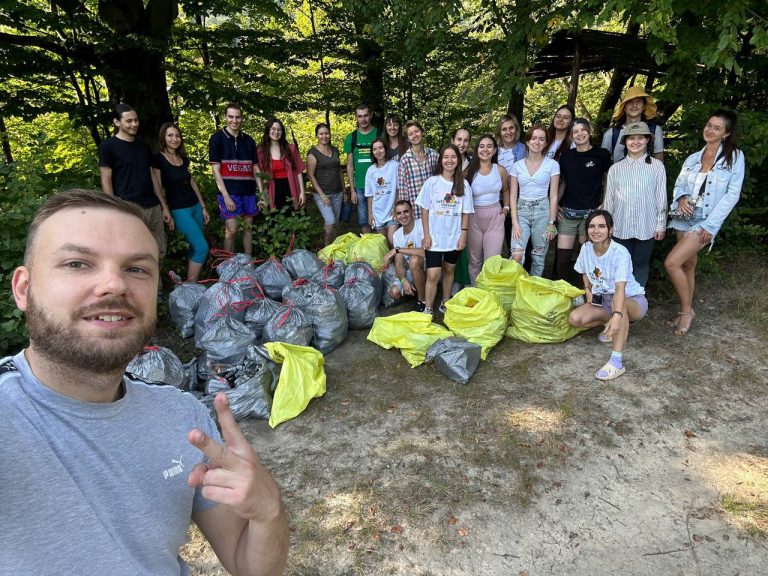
(95, 488)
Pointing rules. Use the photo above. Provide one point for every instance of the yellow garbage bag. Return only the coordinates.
(411, 332)
(337, 250)
(478, 316)
(540, 310)
(500, 275)
(369, 248)
(302, 377)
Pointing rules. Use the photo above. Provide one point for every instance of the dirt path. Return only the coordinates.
(534, 467)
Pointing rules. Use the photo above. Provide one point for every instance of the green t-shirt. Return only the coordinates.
(362, 154)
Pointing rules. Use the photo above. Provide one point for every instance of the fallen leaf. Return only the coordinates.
(452, 520)
(377, 537)
(689, 434)
(397, 529)
(463, 531)
(697, 538)
(345, 402)
(372, 511)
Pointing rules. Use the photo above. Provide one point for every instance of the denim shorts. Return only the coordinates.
(687, 225)
(641, 300)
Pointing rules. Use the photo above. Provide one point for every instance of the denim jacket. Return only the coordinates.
(721, 192)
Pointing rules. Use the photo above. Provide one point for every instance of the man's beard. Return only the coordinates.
(62, 343)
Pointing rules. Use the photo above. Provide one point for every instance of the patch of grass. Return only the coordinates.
(751, 516)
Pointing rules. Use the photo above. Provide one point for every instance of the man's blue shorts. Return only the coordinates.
(244, 206)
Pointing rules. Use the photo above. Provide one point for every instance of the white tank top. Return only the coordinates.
(486, 189)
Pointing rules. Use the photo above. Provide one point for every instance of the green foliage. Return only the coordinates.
(276, 232)
(21, 195)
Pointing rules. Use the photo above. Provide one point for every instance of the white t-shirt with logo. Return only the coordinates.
(381, 185)
(412, 240)
(604, 271)
(445, 211)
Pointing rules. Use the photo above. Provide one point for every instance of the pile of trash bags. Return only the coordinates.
(507, 301)
(281, 306)
(263, 328)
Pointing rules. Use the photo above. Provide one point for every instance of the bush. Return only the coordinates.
(21, 195)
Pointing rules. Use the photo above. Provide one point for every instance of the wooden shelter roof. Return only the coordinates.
(598, 51)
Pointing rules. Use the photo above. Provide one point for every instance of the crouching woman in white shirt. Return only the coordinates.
(446, 203)
(614, 298)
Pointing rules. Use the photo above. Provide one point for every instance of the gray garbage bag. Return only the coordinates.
(157, 365)
(258, 313)
(226, 341)
(191, 381)
(388, 279)
(300, 292)
(249, 385)
(237, 266)
(182, 304)
(455, 358)
(301, 263)
(365, 272)
(361, 301)
(221, 299)
(273, 277)
(329, 319)
(332, 274)
(289, 324)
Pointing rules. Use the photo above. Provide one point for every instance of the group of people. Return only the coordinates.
(125, 488)
(444, 213)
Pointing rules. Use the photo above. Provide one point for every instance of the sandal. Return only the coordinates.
(680, 330)
(675, 322)
(609, 372)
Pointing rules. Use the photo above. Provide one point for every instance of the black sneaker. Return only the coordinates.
(419, 306)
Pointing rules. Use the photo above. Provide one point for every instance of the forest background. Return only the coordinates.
(64, 63)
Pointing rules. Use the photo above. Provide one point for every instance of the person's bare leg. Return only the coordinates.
(680, 265)
(416, 266)
(230, 231)
(193, 271)
(448, 274)
(430, 288)
(588, 316)
(248, 235)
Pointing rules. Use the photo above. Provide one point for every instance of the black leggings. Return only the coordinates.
(641, 252)
(282, 193)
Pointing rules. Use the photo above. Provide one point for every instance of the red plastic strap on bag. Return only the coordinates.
(151, 348)
(284, 318)
(300, 282)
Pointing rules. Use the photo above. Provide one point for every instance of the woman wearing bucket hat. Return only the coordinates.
(636, 196)
(637, 106)
(705, 192)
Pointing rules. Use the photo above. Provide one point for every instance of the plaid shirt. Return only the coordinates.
(413, 174)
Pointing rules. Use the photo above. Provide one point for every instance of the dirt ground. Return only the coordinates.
(535, 467)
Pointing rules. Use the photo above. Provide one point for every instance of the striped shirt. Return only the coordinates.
(413, 174)
(636, 197)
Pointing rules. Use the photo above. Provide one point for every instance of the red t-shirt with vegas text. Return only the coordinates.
(236, 157)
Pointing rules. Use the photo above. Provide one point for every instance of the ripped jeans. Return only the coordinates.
(533, 217)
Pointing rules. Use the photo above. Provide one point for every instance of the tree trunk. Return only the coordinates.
(134, 71)
(515, 105)
(137, 77)
(372, 83)
(5, 142)
(573, 88)
(615, 87)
